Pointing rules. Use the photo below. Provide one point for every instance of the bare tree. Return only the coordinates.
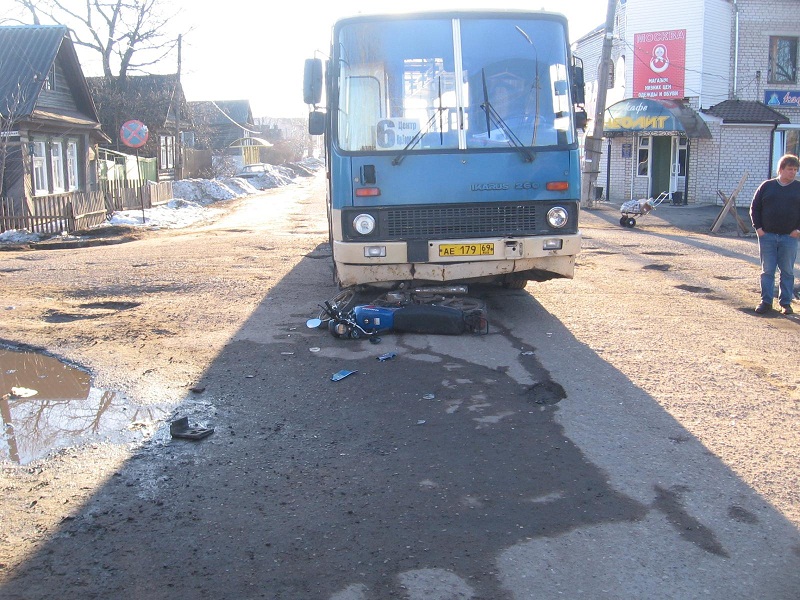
(9, 113)
(128, 35)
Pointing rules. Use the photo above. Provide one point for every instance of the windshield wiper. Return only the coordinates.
(412, 143)
(493, 118)
(535, 83)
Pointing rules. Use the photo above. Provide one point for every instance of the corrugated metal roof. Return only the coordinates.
(27, 52)
(222, 112)
(746, 111)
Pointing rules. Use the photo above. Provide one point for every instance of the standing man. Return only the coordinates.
(775, 213)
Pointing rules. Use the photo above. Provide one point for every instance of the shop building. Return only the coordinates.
(700, 93)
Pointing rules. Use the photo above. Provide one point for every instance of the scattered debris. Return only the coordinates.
(180, 429)
(341, 375)
(387, 356)
(197, 389)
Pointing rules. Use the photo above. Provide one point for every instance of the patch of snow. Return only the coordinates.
(175, 214)
(19, 236)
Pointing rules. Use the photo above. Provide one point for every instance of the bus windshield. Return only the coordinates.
(443, 84)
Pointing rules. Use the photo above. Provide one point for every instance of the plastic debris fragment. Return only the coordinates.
(341, 375)
(387, 356)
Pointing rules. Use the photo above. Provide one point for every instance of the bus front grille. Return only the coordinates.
(458, 221)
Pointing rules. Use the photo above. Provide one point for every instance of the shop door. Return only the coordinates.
(661, 165)
(680, 151)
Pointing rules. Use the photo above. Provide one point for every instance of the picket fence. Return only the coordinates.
(77, 211)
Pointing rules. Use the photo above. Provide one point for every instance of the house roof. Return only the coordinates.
(27, 53)
(222, 112)
(745, 111)
(147, 98)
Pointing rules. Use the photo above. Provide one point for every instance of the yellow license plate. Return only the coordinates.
(466, 249)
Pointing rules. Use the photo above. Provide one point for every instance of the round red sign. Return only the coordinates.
(133, 133)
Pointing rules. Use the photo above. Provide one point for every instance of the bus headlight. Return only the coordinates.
(557, 217)
(364, 224)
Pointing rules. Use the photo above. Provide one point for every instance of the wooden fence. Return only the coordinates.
(132, 194)
(78, 210)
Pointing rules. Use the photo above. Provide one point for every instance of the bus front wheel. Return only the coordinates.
(514, 282)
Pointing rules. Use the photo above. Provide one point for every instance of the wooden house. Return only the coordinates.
(226, 127)
(155, 100)
(49, 127)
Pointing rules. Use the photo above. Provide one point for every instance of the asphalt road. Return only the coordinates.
(628, 434)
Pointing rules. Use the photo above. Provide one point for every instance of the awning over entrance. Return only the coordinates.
(654, 117)
(249, 142)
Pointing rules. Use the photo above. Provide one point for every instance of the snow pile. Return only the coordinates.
(207, 191)
(175, 214)
(18, 236)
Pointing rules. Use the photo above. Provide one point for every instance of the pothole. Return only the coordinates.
(694, 289)
(47, 404)
(547, 393)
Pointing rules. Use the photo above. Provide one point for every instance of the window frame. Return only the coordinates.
(73, 166)
(41, 180)
(644, 144)
(57, 166)
(774, 53)
(167, 151)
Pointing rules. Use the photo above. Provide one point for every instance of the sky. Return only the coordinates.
(246, 50)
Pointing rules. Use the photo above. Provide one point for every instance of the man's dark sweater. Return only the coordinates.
(776, 207)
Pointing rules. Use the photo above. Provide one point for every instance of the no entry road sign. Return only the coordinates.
(133, 133)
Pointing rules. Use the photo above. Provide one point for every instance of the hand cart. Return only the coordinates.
(639, 208)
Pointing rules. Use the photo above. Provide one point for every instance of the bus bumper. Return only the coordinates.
(536, 258)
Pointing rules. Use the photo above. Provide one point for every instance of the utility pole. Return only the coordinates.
(593, 143)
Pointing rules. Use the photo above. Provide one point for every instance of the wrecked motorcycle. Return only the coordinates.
(426, 310)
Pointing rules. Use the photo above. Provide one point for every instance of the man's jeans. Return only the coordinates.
(777, 251)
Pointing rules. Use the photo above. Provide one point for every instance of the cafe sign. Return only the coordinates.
(775, 98)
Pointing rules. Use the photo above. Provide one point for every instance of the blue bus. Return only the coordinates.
(451, 147)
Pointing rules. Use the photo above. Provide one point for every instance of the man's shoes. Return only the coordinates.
(786, 309)
(763, 308)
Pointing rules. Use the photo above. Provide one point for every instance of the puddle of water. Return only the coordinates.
(47, 404)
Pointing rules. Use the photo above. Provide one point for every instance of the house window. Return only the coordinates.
(611, 69)
(643, 157)
(167, 151)
(50, 80)
(40, 182)
(782, 59)
(72, 165)
(57, 165)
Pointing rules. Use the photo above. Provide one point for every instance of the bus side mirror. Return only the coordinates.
(312, 81)
(578, 84)
(316, 123)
